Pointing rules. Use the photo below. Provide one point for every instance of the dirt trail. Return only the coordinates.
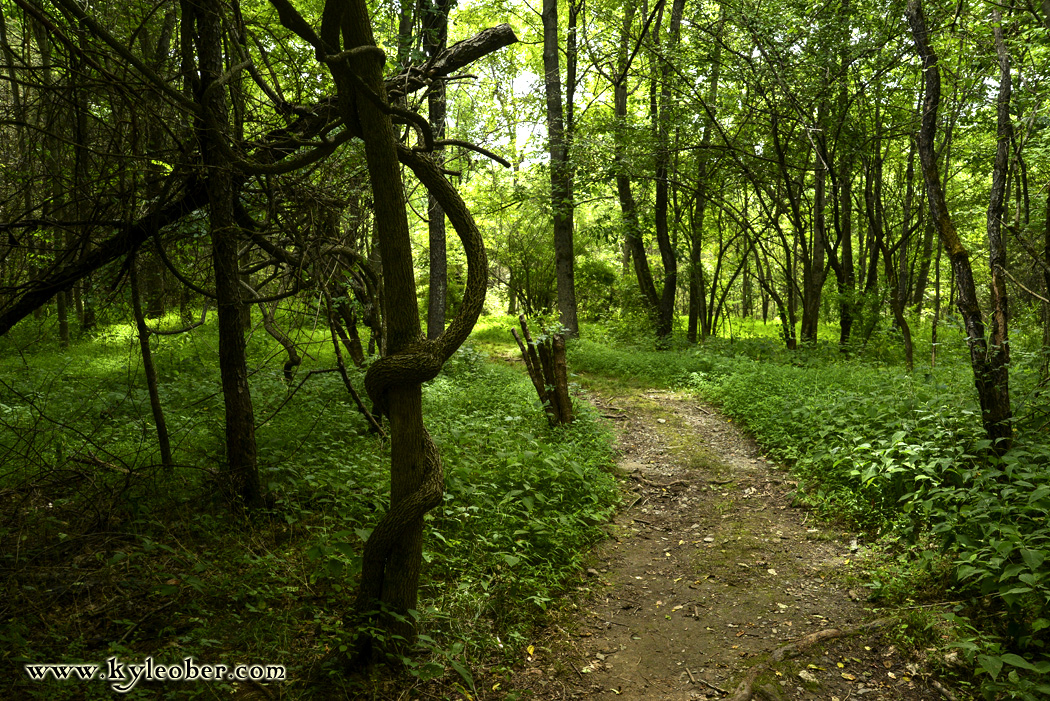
(709, 570)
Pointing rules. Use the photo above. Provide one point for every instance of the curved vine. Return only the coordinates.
(422, 360)
(412, 365)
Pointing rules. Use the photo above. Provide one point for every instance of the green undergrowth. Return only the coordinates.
(105, 553)
(902, 457)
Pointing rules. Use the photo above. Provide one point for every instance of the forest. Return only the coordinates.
(277, 278)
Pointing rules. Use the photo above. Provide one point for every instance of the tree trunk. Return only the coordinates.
(242, 473)
(633, 244)
(1046, 290)
(897, 304)
(149, 370)
(936, 305)
(905, 264)
(393, 552)
(999, 334)
(697, 292)
(988, 364)
(874, 234)
(435, 35)
(545, 361)
(813, 276)
(663, 117)
(922, 279)
(847, 281)
(560, 172)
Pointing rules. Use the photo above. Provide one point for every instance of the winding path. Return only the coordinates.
(708, 571)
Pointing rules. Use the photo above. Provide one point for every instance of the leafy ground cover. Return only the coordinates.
(902, 456)
(107, 554)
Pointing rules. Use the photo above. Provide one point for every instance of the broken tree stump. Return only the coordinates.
(545, 361)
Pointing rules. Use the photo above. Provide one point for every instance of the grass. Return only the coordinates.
(107, 554)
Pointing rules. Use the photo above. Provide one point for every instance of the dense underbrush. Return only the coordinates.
(902, 457)
(107, 554)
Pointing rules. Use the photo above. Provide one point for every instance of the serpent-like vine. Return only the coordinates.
(365, 113)
(414, 364)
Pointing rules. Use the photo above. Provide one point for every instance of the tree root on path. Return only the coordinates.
(650, 483)
(745, 690)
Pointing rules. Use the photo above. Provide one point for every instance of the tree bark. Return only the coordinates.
(813, 275)
(663, 117)
(847, 281)
(999, 338)
(241, 470)
(1046, 290)
(393, 552)
(633, 243)
(560, 172)
(435, 36)
(897, 304)
(988, 364)
(149, 370)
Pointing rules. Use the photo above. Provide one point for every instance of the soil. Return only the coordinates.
(712, 584)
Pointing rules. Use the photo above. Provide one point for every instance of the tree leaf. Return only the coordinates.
(464, 672)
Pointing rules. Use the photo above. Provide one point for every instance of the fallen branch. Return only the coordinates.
(706, 683)
(944, 692)
(92, 459)
(745, 690)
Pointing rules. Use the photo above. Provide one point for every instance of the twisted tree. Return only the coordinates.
(393, 553)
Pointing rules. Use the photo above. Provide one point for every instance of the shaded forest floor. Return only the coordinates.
(712, 585)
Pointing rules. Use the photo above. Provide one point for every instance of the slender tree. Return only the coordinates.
(434, 22)
(988, 362)
(560, 168)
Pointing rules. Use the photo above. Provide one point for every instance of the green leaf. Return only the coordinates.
(991, 665)
(1033, 558)
(431, 670)
(1018, 661)
(166, 589)
(465, 673)
(511, 559)
(347, 549)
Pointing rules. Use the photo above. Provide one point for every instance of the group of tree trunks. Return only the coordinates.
(365, 106)
(989, 359)
(545, 362)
